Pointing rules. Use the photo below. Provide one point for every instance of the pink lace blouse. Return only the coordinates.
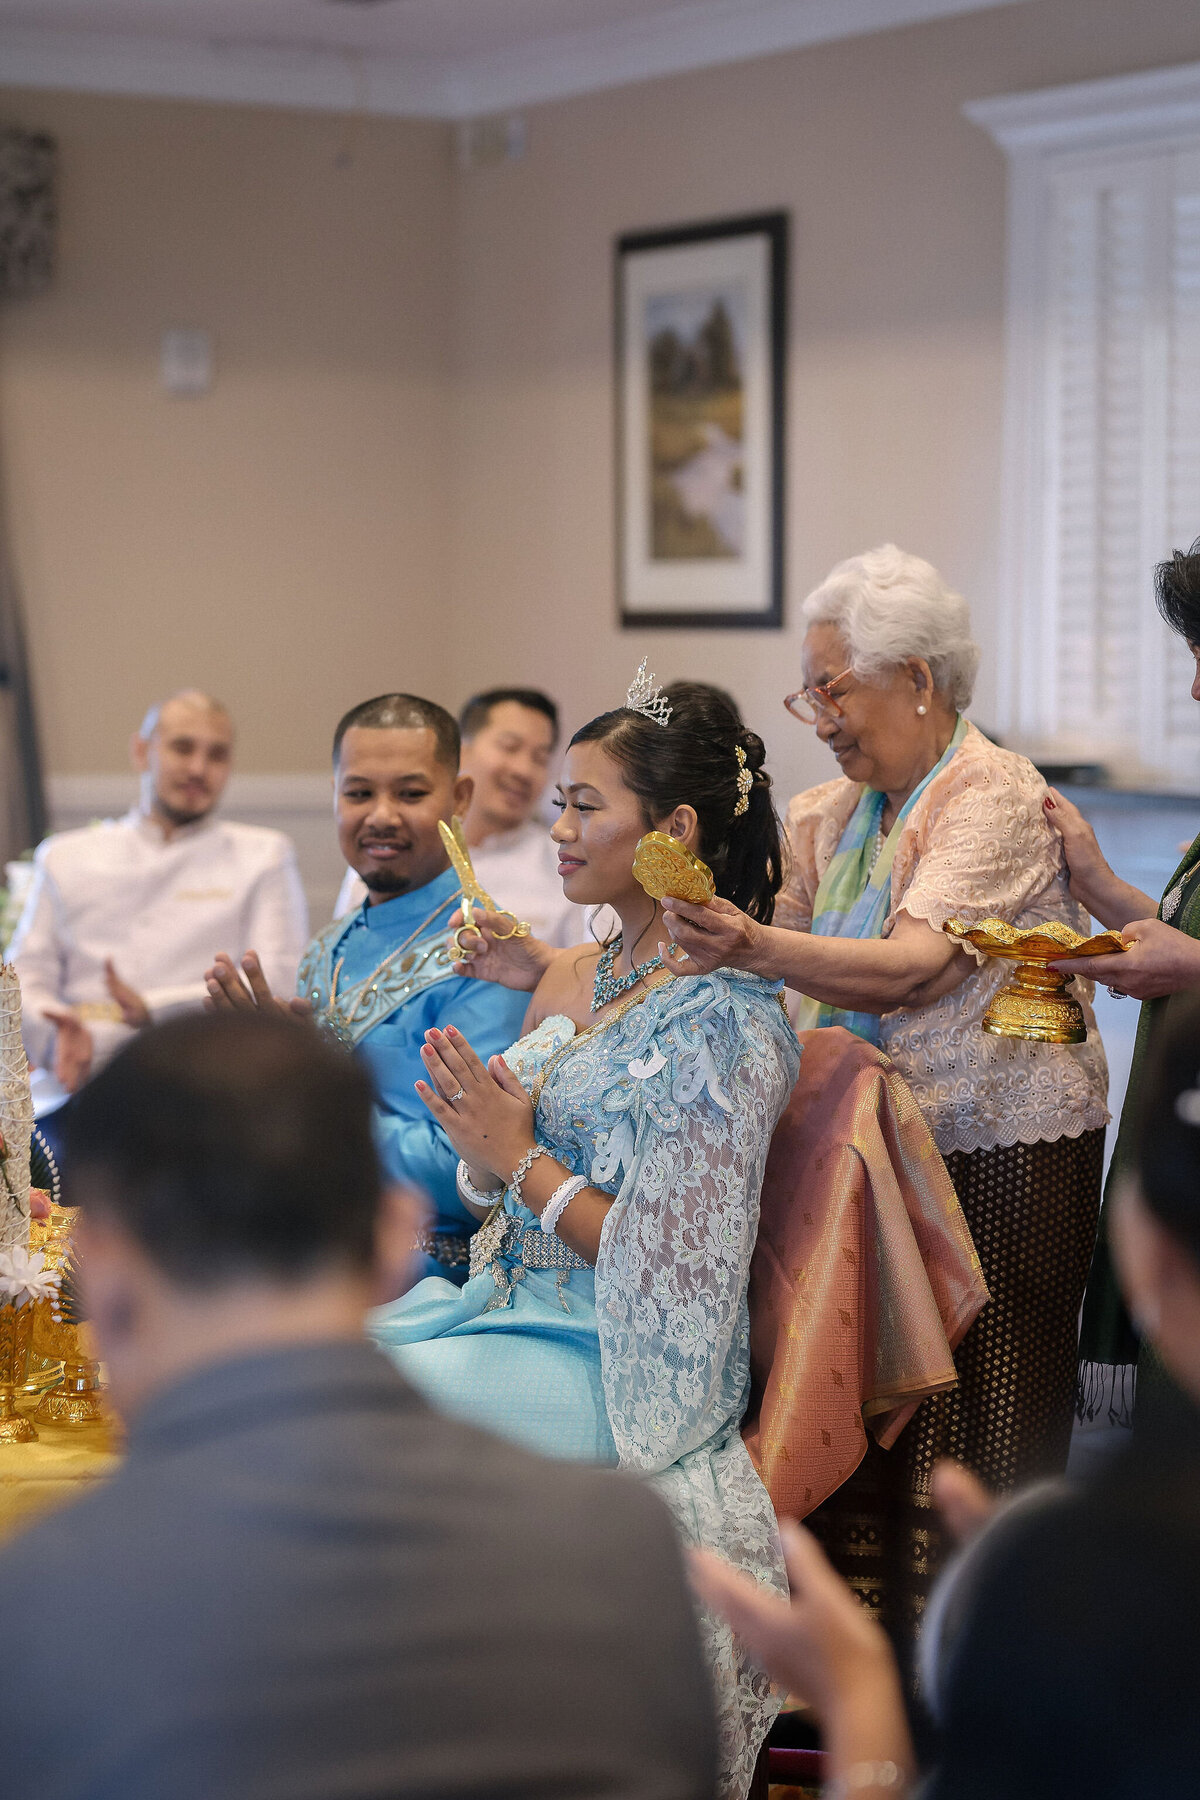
(976, 844)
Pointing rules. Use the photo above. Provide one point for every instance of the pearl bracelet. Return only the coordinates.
(469, 1192)
(522, 1169)
(559, 1201)
(862, 1775)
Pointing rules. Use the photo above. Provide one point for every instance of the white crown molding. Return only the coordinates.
(306, 76)
(1157, 104)
(110, 794)
(681, 40)
(549, 68)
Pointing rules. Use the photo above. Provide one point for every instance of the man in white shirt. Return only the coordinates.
(509, 736)
(124, 916)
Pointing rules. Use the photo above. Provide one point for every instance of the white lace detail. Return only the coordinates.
(684, 1148)
(976, 844)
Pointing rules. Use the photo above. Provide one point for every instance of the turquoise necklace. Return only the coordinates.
(607, 986)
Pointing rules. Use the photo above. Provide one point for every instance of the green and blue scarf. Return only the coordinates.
(852, 898)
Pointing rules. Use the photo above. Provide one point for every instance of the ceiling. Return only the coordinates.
(432, 58)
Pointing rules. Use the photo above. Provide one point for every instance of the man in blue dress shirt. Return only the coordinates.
(380, 977)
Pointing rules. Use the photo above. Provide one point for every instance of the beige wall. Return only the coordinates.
(283, 539)
(404, 475)
(896, 348)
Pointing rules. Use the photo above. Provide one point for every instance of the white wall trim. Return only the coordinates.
(306, 76)
(104, 796)
(703, 35)
(681, 40)
(1156, 104)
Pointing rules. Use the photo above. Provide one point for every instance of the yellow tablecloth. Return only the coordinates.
(38, 1478)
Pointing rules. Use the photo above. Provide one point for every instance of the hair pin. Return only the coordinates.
(643, 697)
(745, 781)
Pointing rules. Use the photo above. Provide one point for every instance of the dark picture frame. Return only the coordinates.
(700, 378)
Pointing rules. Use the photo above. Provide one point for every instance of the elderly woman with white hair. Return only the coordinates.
(929, 820)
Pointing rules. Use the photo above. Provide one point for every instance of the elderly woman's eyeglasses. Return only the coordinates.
(814, 703)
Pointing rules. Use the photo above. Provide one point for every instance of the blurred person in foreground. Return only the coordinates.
(1059, 1652)
(303, 1580)
(509, 736)
(1160, 968)
(124, 916)
(380, 978)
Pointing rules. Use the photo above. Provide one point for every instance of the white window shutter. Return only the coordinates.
(1098, 281)
(1103, 419)
(1180, 746)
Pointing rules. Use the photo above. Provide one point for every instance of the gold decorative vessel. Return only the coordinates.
(667, 869)
(41, 1374)
(16, 1330)
(75, 1398)
(59, 1336)
(1036, 1004)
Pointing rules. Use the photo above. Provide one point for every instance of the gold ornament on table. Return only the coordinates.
(16, 1328)
(1035, 1005)
(473, 895)
(60, 1336)
(28, 1280)
(668, 870)
(23, 1277)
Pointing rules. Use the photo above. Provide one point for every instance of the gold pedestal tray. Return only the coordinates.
(1036, 1005)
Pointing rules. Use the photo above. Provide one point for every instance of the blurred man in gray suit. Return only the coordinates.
(304, 1583)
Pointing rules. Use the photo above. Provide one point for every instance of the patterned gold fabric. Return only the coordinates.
(864, 1276)
(38, 1478)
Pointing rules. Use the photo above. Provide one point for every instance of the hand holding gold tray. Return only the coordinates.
(668, 870)
(1036, 1005)
(473, 895)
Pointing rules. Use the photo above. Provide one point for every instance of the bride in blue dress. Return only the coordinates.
(620, 1147)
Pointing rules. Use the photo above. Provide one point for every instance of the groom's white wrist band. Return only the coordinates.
(559, 1201)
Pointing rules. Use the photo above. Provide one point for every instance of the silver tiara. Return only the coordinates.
(643, 697)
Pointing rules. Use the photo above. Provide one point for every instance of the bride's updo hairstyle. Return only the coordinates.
(692, 761)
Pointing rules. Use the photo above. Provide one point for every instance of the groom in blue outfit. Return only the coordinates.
(380, 977)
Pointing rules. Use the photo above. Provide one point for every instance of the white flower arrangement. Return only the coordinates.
(25, 1278)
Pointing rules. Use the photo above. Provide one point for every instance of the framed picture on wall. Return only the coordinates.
(701, 334)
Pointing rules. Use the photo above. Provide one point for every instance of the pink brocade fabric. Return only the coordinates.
(864, 1278)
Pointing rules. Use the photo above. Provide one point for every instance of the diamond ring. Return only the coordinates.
(461, 1094)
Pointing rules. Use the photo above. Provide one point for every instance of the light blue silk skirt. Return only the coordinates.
(529, 1370)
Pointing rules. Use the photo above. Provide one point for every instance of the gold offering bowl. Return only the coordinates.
(1036, 1004)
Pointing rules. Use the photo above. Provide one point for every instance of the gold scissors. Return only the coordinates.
(473, 895)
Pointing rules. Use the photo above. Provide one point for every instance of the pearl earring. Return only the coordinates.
(921, 711)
